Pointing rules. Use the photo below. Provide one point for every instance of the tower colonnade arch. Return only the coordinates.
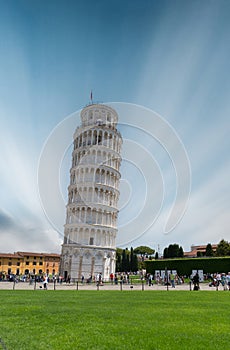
(98, 136)
(88, 195)
(91, 216)
(94, 155)
(94, 174)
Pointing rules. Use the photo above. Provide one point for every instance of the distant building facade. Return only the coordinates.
(198, 250)
(29, 263)
(89, 246)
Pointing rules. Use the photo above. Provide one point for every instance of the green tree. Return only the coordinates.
(223, 248)
(181, 252)
(125, 260)
(165, 253)
(173, 251)
(144, 250)
(209, 250)
(118, 259)
(133, 261)
(156, 256)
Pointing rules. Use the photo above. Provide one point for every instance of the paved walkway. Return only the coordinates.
(107, 286)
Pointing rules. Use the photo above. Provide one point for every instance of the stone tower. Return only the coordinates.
(89, 246)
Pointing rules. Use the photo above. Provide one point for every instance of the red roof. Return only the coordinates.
(22, 254)
(203, 247)
(38, 254)
(198, 248)
(9, 255)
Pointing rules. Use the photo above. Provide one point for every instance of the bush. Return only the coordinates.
(185, 266)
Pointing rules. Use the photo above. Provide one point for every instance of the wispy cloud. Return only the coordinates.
(176, 62)
(26, 236)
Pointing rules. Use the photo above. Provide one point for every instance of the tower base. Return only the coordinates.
(87, 261)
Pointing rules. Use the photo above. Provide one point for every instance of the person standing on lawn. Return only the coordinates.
(228, 280)
(45, 282)
(172, 280)
(196, 281)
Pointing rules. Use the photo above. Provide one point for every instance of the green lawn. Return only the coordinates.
(114, 320)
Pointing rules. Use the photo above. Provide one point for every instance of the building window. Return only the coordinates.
(40, 263)
(27, 257)
(10, 263)
(0, 263)
(34, 257)
(27, 262)
(91, 241)
(34, 263)
(18, 263)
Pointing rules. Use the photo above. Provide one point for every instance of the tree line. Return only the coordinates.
(126, 261)
(223, 249)
(131, 260)
(174, 251)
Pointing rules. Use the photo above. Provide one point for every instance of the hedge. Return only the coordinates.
(185, 266)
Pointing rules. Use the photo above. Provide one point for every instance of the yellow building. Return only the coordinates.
(25, 263)
(10, 264)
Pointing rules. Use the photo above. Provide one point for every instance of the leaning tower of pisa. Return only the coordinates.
(89, 246)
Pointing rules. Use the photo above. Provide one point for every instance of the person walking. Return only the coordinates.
(45, 282)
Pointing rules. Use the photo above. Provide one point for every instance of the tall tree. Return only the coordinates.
(165, 254)
(181, 252)
(133, 261)
(127, 260)
(209, 250)
(156, 256)
(223, 248)
(118, 259)
(124, 261)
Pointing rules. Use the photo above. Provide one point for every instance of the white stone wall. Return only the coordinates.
(88, 262)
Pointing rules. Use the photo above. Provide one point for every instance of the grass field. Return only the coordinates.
(114, 320)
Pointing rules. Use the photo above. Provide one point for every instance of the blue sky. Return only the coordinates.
(171, 57)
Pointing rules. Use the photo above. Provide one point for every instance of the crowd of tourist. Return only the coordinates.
(219, 279)
(170, 278)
